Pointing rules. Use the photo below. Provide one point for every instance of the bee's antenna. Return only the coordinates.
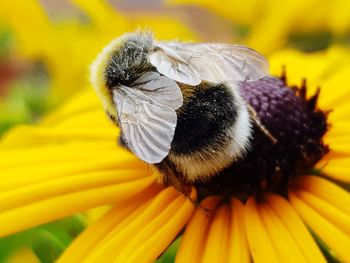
(261, 126)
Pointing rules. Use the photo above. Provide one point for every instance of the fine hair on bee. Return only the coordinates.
(178, 105)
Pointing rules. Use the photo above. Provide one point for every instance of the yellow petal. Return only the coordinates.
(128, 229)
(337, 240)
(295, 227)
(96, 232)
(338, 142)
(339, 115)
(337, 168)
(29, 174)
(333, 91)
(216, 248)
(66, 204)
(25, 136)
(330, 155)
(238, 244)
(328, 211)
(65, 153)
(26, 166)
(215, 236)
(283, 242)
(328, 199)
(194, 240)
(226, 240)
(259, 241)
(340, 125)
(158, 232)
(24, 195)
(313, 64)
(326, 190)
(337, 136)
(89, 120)
(85, 102)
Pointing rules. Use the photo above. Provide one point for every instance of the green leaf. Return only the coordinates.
(47, 241)
(169, 255)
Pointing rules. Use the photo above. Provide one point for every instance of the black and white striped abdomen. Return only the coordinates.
(213, 129)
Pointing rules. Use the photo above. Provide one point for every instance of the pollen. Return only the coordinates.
(298, 126)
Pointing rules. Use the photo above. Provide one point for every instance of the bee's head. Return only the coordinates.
(121, 62)
(128, 59)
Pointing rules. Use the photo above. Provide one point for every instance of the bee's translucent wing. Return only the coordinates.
(192, 63)
(147, 116)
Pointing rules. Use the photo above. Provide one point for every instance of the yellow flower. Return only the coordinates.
(271, 22)
(66, 47)
(71, 163)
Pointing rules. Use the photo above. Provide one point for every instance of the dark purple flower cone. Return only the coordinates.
(297, 125)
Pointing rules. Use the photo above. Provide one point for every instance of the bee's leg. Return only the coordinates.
(186, 191)
(260, 125)
(171, 178)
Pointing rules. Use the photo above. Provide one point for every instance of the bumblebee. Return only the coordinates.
(178, 105)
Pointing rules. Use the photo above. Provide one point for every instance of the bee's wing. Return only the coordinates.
(192, 63)
(147, 116)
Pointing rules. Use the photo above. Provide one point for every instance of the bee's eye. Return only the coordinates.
(117, 73)
(113, 75)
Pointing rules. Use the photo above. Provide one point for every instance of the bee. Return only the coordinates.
(177, 104)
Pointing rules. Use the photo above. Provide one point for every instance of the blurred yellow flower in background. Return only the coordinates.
(70, 163)
(67, 47)
(270, 23)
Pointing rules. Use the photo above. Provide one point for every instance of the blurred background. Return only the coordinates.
(46, 47)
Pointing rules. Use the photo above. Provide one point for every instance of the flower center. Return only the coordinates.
(296, 123)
